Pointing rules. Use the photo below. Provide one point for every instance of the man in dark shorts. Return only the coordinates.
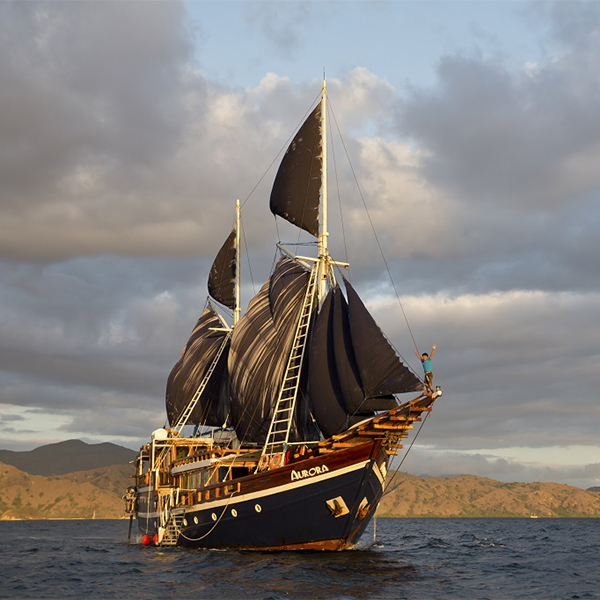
(426, 362)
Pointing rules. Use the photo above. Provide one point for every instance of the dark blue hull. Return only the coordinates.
(147, 516)
(291, 518)
(323, 503)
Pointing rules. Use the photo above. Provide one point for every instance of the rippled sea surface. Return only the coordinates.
(412, 558)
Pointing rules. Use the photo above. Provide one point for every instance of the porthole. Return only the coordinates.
(257, 507)
(233, 512)
(214, 517)
(185, 522)
(195, 520)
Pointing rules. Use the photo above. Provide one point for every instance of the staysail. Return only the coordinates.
(260, 345)
(328, 405)
(297, 186)
(382, 373)
(189, 371)
(221, 279)
(353, 369)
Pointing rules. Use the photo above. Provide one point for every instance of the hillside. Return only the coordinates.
(75, 495)
(472, 496)
(80, 494)
(66, 457)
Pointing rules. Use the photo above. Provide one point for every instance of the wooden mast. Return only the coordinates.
(237, 310)
(323, 251)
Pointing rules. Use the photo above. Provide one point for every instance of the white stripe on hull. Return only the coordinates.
(277, 490)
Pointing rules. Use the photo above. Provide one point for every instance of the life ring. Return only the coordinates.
(263, 463)
(276, 460)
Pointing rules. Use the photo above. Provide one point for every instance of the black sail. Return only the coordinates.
(328, 406)
(221, 279)
(260, 346)
(297, 185)
(381, 371)
(189, 371)
(345, 361)
(353, 370)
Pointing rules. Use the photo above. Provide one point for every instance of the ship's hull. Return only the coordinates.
(321, 503)
(147, 515)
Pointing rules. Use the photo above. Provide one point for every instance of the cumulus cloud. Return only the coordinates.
(121, 162)
(510, 364)
(281, 28)
(513, 155)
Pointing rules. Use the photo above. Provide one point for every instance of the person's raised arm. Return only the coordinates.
(433, 350)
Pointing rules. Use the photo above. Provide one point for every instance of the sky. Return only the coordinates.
(128, 130)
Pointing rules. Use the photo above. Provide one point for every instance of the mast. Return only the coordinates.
(237, 310)
(324, 234)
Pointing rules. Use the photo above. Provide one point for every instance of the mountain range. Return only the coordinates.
(473, 496)
(66, 457)
(73, 479)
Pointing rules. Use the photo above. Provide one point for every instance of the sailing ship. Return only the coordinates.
(299, 397)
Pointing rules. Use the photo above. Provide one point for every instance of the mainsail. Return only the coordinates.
(260, 346)
(221, 280)
(190, 370)
(295, 193)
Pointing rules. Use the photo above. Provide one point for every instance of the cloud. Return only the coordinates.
(447, 464)
(88, 111)
(283, 29)
(8, 417)
(506, 169)
(510, 366)
(121, 162)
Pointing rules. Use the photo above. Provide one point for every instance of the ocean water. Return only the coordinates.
(412, 558)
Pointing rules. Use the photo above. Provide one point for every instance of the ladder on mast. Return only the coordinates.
(281, 423)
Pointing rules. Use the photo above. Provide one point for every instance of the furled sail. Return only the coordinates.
(353, 369)
(260, 346)
(221, 279)
(297, 185)
(189, 371)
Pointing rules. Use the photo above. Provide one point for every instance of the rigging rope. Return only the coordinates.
(180, 532)
(387, 490)
(337, 183)
(247, 255)
(375, 232)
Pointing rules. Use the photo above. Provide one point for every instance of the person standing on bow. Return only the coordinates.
(426, 362)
